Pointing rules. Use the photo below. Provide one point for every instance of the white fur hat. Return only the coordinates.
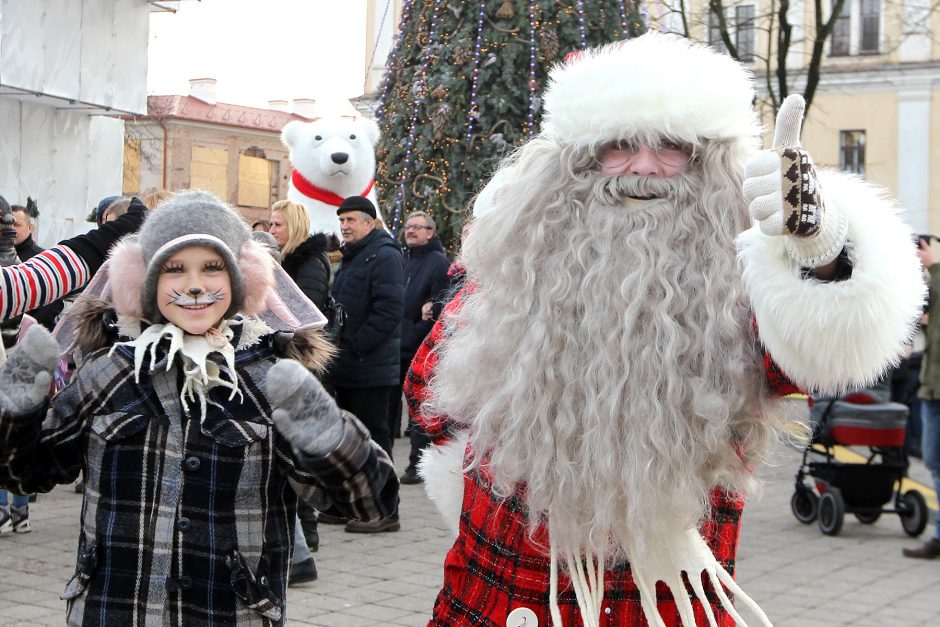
(655, 83)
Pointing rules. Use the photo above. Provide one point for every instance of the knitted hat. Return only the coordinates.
(189, 219)
(357, 203)
(652, 84)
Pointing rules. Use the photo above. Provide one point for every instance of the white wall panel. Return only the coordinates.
(35, 176)
(10, 148)
(131, 38)
(105, 160)
(21, 55)
(61, 39)
(98, 52)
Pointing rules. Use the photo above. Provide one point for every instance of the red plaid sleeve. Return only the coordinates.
(421, 371)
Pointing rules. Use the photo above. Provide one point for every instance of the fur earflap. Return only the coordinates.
(127, 272)
(91, 329)
(257, 270)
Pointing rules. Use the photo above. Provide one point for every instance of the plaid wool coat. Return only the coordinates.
(185, 521)
(493, 568)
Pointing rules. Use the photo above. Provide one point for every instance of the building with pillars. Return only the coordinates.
(877, 108)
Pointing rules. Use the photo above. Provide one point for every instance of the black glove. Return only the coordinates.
(94, 245)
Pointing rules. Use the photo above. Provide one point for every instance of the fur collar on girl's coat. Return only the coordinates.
(99, 326)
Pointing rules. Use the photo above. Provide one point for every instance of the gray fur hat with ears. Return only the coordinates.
(189, 219)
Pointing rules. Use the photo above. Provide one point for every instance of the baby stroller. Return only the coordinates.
(866, 489)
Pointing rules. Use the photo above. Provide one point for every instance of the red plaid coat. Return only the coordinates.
(493, 568)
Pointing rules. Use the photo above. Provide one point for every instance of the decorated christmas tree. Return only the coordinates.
(463, 89)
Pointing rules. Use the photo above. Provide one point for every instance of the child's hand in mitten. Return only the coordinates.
(783, 194)
(303, 412)
(26, 375)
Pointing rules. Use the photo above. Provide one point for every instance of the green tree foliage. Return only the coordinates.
(463, 89)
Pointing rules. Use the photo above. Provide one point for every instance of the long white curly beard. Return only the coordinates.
(606, 361)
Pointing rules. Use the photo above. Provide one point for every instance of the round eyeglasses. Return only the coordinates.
(668, 152)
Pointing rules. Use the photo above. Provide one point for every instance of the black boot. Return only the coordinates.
(302, 572)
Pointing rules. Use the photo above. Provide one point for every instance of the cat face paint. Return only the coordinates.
(194, 289)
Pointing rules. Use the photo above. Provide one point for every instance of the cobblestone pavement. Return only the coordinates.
(800, 577)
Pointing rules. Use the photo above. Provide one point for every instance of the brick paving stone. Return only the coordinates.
(798, 576)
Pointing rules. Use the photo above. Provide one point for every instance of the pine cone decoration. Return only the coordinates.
(440, 118)
(463, 55)
(506, 11)
(438, 92)
(548, 44)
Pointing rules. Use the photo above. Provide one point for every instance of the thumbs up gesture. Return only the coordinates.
(783, 195)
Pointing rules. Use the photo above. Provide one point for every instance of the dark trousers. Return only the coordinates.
(394, 401)
(370, 406)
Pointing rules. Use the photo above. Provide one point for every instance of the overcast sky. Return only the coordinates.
(260, 50)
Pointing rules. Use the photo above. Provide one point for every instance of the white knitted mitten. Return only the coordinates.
(26, 375)
(304, 413)
(783, 194)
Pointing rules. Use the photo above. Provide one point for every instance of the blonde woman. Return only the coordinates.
(303, 256)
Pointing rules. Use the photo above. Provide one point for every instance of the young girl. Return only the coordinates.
(194, 439)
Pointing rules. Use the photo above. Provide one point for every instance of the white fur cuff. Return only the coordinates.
(823, 247)
(828, 336)
(441, 466)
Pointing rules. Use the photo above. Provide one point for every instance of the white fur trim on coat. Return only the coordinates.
(441, 466)
(829, 336)
(654, 83)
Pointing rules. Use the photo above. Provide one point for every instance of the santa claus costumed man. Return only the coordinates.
(602, 390)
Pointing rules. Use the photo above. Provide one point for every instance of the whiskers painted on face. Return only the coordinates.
(192, 300)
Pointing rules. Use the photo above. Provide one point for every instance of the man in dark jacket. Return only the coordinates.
(369, 286)
(425, 282)
(26, 247)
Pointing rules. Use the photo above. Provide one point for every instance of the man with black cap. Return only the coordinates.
(370, 287)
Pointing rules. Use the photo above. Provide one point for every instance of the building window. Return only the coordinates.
(841, 30)
(714, 32)
(131, 179)
(208, 170)
(254, 181)
(852, 152)
(744, 31)
(870, 26)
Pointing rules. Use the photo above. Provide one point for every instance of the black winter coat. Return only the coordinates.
(309, 266)
(370, 286)
(425, 280)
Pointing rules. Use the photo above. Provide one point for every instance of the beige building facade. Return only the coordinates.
(877, 108)
(193, 142)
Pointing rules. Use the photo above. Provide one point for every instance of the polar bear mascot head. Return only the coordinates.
(332, 158)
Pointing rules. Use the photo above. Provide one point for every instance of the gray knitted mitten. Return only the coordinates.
(26, 375)
(304, 413)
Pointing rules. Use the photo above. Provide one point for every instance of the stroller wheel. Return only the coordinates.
(913, 512)
(831, 512)
(867, 518)
(803, 504)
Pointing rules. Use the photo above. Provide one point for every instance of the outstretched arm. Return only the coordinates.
(64, 268)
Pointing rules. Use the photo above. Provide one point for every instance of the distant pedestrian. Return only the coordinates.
(369, 287)
(929, 393)
(426, 286)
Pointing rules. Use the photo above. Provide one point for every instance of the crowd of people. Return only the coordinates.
(380, 288)
(596, 397)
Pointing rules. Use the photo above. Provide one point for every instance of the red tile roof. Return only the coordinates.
(196, 110)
